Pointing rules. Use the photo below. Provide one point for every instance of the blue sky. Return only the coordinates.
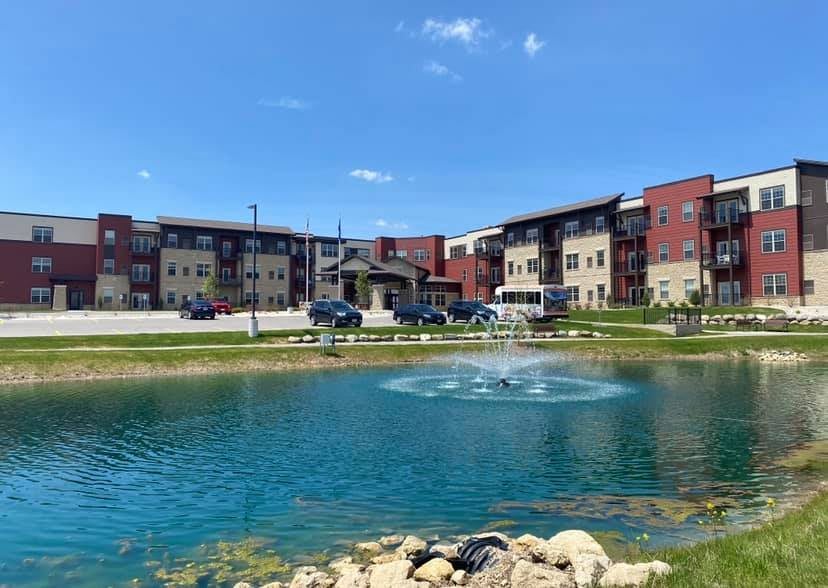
(409, 118)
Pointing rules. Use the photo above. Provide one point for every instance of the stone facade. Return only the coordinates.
(585, 277)
(518, 256)
(815, 265)
(181, 284)
(268, 285)
(120, 286)
(675, 273)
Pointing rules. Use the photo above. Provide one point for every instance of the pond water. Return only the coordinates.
(105, 482)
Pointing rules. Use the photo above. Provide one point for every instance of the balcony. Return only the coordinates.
(721, 218)
(141, 277)
(229, 255)
(552, 243)
(230, 282)
(488, 252)
(631, 230)
(139, 249)
(629, 269)
(551, 276)
(726, 260)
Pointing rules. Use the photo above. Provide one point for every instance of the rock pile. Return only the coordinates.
(428, 337)
(570, 559)
(784, 356)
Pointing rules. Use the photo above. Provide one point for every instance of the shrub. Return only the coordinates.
(695, 297)
(645, 300)
(237, 310)
(610, 301)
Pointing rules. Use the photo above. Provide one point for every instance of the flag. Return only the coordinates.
(339, 230)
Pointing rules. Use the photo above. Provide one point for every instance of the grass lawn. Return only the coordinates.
(631, 331)
(636, 315)
(791, 328)
(791, 551)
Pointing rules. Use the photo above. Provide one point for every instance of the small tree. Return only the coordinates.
(695, 297)
(210, 286)
(645, 300)
(363, 287)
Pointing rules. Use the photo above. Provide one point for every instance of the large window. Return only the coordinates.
(687, 211)
(226, 248)
(602, 292)
(170, 296)
(663, 252)
(689, 247)
(771, 198)
(203, 269)
(495, 275)
(571, 229)
(510, 268)
(280, 273)
(140, 272)
(663, 215)
(41, 296)
(41, 265)
(599, 258)
(329, 249)
(281, 249)
(573, 293)
(421, 254)
(204, 242)
(280, 298)
(248, 245)
(248, 297)
(532, 265)
(664, 289)
(457, 251)
(108, 294)
(141, 244)
(402, 253)
(434, 295)
(510, 239)
(42, 234)
(571, 261)
(775, 284)
(600, 227)
(248, 271)
(689, 288)
(109, 237)
(773, 241)
(172, 240)
(109, 266)
(531, 236)
(172, 268)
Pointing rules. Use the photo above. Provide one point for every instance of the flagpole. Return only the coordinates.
(307, 260)
(339, 257)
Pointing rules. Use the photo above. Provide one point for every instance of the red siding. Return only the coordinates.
(17, 277)
(435, 264)
(788, 261)
(676, 231)
(454, 270)
(123, 233)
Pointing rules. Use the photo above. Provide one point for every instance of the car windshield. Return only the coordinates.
(423, 308)
(341, 305)
(478, 306)
(201, 303)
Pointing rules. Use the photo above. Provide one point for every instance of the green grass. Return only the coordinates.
(791, 551)
(636, 315)
(615, 331)
(791, 328)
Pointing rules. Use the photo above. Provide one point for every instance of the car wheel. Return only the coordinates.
(399, 320)
(451, 317)
(313, 320)
(420, 322)
(334, 323)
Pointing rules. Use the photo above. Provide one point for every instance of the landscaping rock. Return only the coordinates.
(586, 333)
(437, 337)
(310, 577)
(308, 339)
(529, 575)
(365, 338)
(391, 540)
(412, 546)
(413, 337)
(351, 338)
(374, 338)
(436, 570)
(574, 543)
(294, 339)
(460, 578)
(387, 338)
(369, 547)
(391, 575)
(425, 337)
(400, 337)
(573, 333)
(589, 569)
(450, 336)
(624, 574)
(339, 338)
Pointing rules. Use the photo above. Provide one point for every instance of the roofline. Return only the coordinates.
(412, 237)
(551, 212)
(810, 162)
(335, 238)
(129, 216)
(499, 227)
(680, 181)
(759, 173)
(85, 218)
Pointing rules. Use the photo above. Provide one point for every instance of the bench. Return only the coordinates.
(776, 325)
(544, 328)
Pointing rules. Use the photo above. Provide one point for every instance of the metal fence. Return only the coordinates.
(672, 316)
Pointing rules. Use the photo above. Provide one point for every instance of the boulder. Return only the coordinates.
(412, 545)
(391, 575)
(294, 339)
(339, 338)
(529, 575)
(436, 570)
(586, 333)
(391, 540)
(460, 578)
(351, 338)
(551, 553)
(369, 547)
(488, 534)
(413, 337)
(450, 336)
(400, 337)
(527, 541)
(589, 569)
(437, 337)
(705, 317)
(242, 585)
(345, 565)
(310, 577)
(384, 558)
(308, 339)
(387, 338)
(573, 333)
(353, 579)
(425, 337)
(449, 551)
(574, 543)
(374, 338)
(624, 574)
(597, 335)
(273, 585)
(364, 338)
(761, 317)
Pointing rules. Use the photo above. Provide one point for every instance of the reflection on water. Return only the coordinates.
(104, 482)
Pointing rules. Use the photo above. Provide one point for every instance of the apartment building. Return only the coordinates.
(813, 190)
(475, 261)
(328, 252)
(567, 245)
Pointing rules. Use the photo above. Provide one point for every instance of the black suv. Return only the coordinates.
(470, 310)
(194, 309)
(334, 312)
(422, 314)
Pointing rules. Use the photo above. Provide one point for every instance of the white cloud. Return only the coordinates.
(532, 44)
(400, 27)
(438, 69)
(466, 31)
(374, 177)
(285, 102)
(384, 224)
(144, 174)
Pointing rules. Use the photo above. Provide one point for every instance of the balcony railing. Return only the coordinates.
(711, 219)
(551, 276)
(230, 281)
(631, 230)
(229, 254)
(551, 242)
(624, 268)
(141, 277)
(141, 249)
(722, 261)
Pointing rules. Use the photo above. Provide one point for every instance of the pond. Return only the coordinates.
(109, 481)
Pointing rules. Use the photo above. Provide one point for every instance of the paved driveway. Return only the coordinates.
(111, 324)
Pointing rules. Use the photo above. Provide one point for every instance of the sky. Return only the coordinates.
(405, 118)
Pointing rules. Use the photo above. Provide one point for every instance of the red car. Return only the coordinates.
(221, 306)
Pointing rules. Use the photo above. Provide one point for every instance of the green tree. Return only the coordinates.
(695, 297)
(363, 287)
(645, 300)
(210, 287)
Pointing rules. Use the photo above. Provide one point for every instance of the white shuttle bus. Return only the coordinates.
(537, 303)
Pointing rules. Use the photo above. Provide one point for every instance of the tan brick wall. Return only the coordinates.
(815, 266)
(265, 286)
(519, 255)
(588, 278)
(183, 285)
(676, 272)
(119, 285)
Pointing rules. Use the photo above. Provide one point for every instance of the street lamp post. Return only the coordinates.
(253, 324)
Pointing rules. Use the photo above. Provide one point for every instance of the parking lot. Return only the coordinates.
(100, 323)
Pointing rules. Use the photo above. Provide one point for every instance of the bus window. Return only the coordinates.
(496, 300)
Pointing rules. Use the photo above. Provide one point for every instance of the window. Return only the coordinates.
(170, 296)
(771, 198)
(199, 295)
(185, 271)
(687, 211)
(602, 292)
(421, 254)
(107, 295)
(589, 261)
(248, 297)
(571, 229)
(807, 198)
(571, 261)
(495, 275)
(689, 247)
(141, 244)
(689, 288)
(172, 240)
(109, 237)
(281, 249)
(41, 296)
(226, 248)
(480, 274)
(573, 293)
(248, 271)
(531, 236)
(808, 287)
(280, 298)
(457, 251)
(328, 249)
(41, 265)
(663, 252)
(599, 258)
(140, 272)
(590, 296)
(807, 242)
(109, 266)
(402, 253)
(172, 268)
(519, 269)
(532, 265)
(465, 275)
(248, 245)
(271, 274)
(600, 227)
(773, 241)
(280, 273)
(226, 274)
(510, 239)
(203, 269)
(775, 284)
(662, 215)
(664, 289)
(204, 242)
(42, 234)
(510, 268)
